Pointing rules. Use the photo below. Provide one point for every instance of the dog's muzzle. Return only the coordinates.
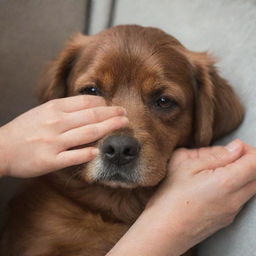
(120, 155)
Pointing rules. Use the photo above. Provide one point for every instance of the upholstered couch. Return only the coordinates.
(33, 31)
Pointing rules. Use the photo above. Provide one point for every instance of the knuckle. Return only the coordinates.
(36, 139)
(178, 157)
(51, 104)
(44, 161)
(201, 151)
(233, 207)
(181, 153)
(195, 154)
(53, 121)
(230, 219)
(227, 184)
(94, 115)
(230, 206)
(47, 139)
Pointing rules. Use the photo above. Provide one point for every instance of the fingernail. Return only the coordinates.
(233, 146)
(95, 151)
(121, 112)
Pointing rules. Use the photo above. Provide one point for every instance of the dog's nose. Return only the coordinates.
(120, 149)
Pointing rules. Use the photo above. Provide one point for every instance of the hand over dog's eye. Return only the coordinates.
(90, 90)
(166, 103)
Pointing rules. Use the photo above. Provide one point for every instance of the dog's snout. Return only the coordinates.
(120, 149)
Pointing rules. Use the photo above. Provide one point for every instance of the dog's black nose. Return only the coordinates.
(120, 149)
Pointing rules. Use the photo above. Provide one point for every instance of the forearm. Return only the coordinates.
(154, 233)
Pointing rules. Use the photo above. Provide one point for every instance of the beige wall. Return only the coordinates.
(32, 32)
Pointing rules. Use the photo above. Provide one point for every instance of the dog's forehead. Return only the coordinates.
(136, 59)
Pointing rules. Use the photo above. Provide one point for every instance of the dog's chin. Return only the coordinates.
(118, 184)
(118, 180)
(124, 176)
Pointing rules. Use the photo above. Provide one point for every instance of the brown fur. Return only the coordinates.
(67, 212)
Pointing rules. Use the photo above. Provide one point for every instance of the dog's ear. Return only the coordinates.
(218, 110)
(54, 81)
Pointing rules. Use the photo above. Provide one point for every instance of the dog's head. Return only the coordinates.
(174, 97)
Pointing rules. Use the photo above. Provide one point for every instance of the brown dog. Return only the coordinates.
(174, 97)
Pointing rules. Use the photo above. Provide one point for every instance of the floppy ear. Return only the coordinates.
(54, 82)
(218, 110)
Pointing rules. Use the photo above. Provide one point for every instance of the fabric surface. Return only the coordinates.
(228, 30)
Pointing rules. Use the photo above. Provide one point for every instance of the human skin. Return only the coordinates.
(39, 141)
(202, 193)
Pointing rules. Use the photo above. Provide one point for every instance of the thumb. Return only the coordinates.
(218, 156)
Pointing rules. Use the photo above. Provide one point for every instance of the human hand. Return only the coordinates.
(39, 141)
(203, 192)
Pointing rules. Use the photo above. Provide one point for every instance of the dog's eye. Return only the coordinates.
(166, 103)
(91, 90)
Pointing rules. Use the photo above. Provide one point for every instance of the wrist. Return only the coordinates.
(172, 230)
(175, 223)
(156, 232)
(3, 153)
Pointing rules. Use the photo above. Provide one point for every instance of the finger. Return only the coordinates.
(246, 193)
(249, 149)
(92, 132)
(239, 173)
(216, 157)
(76, 103)
(91, 115)
(77, 156)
